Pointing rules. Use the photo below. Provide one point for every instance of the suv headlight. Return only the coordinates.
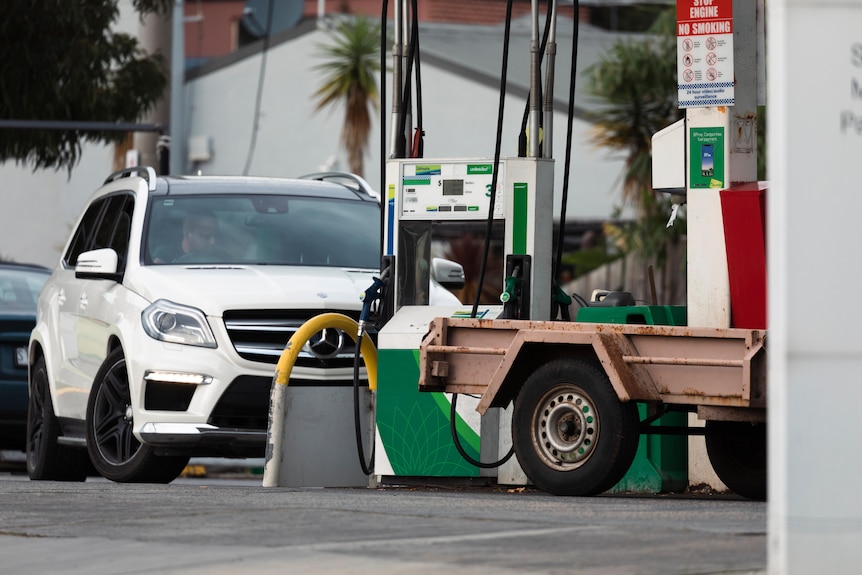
(166, 321)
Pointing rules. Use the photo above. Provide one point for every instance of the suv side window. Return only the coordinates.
(106, 224)
(84, 233)
(115, 227)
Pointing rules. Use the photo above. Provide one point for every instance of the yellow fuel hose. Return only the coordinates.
(314, 325)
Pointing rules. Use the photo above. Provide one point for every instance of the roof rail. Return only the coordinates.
(145, 172)
(362, 184)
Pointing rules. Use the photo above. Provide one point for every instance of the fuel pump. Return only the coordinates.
(424, 196)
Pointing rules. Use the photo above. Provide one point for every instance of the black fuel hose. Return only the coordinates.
(372, 294)
(490, 220)
(558, 260)
(464, 454)
(367, 468)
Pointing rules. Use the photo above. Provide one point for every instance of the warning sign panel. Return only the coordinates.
(704, 39)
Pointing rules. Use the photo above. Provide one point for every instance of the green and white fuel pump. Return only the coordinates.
(415, 434)
(423, 196)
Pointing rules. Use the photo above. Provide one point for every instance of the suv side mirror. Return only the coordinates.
(447, 273)
(98, 264)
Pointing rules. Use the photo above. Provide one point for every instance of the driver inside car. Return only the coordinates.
(200, 230)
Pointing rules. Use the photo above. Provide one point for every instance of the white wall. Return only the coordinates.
(460, 118)
(39, 209)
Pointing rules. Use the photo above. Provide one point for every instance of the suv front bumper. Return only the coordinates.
(201, 440)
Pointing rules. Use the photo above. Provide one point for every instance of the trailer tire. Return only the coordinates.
(737, 452)
(571, 433)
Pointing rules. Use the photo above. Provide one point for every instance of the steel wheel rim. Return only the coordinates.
(112, 418)
(565, 427)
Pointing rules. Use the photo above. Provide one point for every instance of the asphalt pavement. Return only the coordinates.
(230, 524)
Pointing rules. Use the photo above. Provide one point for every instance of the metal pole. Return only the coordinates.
(177, 147)
(548, 116)
(406, 105)
(397, 50)
(535, 84)
(83, 126)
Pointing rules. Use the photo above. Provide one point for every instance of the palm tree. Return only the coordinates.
(351, 66)
(636, 84)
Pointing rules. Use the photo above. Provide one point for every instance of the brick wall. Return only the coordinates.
(453, 11)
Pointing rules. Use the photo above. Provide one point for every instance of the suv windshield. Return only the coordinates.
(262, 229)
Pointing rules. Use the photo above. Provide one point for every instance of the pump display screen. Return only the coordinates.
(447, 190)
(453, 187)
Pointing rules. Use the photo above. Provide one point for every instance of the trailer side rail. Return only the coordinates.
(670, 364)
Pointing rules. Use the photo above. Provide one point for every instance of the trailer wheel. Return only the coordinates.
(737, 452)
(571, 433)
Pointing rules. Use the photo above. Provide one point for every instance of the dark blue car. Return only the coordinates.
(20, 285)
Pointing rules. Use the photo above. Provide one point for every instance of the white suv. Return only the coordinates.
(158, 333)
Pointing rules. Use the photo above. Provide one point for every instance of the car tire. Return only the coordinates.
(46, 459)
(115, 451)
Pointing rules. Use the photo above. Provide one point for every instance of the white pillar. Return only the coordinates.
(708, 284)
(815, 350)
(708, 289)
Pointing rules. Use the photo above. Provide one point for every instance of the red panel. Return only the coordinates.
(743, 209)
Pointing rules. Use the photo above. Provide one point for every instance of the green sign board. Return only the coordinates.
(520, 203)
(706, 157)
(473, 169)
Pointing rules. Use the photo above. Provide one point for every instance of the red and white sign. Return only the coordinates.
(704, 53)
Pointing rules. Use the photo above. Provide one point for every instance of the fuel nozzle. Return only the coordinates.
(368, 297)
(511, 294)
(562, 301)
(510, 291)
